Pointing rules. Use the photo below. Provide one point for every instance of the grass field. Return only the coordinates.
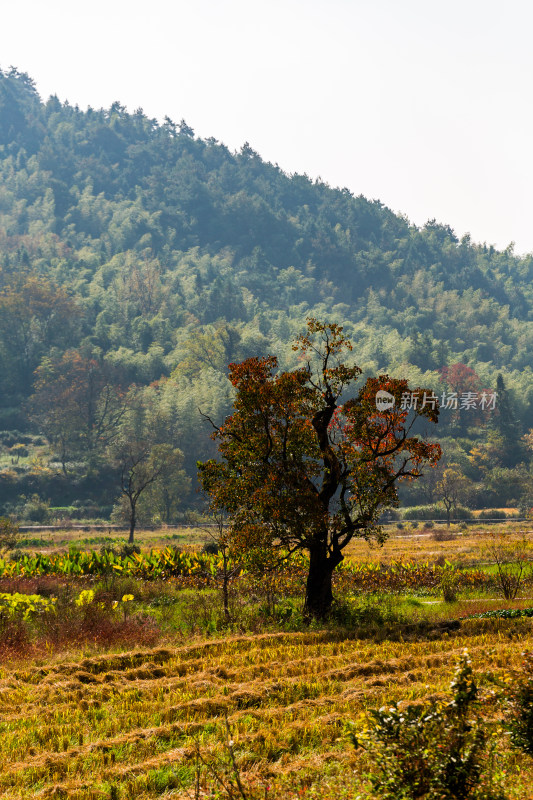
(61, 540)
(125, 719)
(464, 546)
(469, 546)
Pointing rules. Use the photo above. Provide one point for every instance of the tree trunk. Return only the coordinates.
(63, 460)
(319, 595)
(225, 586)
(133, 521)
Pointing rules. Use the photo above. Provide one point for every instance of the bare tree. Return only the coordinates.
(229, 569)
(511, 557)
(139, 467)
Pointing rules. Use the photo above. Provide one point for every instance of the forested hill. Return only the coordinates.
(86, 195)
(166, 254)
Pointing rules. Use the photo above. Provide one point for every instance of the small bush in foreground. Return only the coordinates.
(371, 610)
(517, 694)
(431, 752)
(448, 584)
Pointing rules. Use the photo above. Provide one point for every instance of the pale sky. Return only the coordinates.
(423, 105)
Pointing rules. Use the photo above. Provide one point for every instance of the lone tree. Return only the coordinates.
(300, 469)
(453, 488)
(140, 467)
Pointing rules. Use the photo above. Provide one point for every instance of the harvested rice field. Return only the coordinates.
(467, 546)
(125, 679)
(134, 724)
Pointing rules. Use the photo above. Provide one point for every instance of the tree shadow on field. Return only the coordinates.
(382, 622)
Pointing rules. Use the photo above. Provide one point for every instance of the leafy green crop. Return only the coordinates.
(12, 605)
(503, 613)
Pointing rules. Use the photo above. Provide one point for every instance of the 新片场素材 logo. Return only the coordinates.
(384, 400)
(450, 401)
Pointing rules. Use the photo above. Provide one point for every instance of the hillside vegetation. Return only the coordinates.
(133, 253)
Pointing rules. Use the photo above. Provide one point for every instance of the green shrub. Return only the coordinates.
(443, 535)
(448, 584)
(517, 694)
(10, 438)
(19, 450)
(128, 550)
(424, 512)
(35, 509)
(521, 697)
(373, 610)
(9, 534)
(434, 752)
(435, 512)
(460, 512)
(211, 548)
(60, 513)
(492, 513)
(503, 613)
